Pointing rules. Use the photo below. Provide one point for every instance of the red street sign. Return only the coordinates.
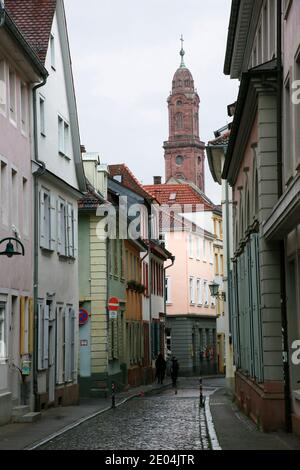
(83, 316)
(113, 304)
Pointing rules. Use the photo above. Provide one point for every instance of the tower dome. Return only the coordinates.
(183, 80)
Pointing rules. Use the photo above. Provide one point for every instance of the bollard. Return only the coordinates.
(113, 395)
(201, 394)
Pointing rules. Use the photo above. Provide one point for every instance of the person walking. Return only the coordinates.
(160, 365)
(174, 372)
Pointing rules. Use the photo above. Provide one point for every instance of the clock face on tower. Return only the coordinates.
(179, 160)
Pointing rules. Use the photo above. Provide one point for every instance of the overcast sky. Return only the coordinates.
(124, 54)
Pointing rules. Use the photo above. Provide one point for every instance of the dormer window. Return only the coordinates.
(172, 196)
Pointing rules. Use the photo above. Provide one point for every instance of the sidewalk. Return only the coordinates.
(237, 432)
(54, 420)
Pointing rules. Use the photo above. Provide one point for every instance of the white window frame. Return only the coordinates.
(47, 235)
(62, 227)
(3, 335)
(199, 291)
(43, 336)
(204, 250)
(13, 96)
(42, 111)
(191, 247)
(192, 290)
(24, 107)
(4, 200)
(3, 88)
(198, 248)
(52, 52)
(63, 137)
(205, 291)
(168, 290)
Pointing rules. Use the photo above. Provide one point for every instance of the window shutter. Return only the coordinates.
(52, 222)
(74, 232)
(73, 345)
(46, 338)
(116, 342)
(23, 347)
(59, 227)
(42, 220)
(58, 345)
(31, 326)
(67, 345)
(40, 336)
(70, 243)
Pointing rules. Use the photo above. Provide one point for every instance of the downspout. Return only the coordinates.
(284, 319)
(40, 171)
(228, 298)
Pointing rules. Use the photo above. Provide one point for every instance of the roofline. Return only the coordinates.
(6, 21)
(235, 8)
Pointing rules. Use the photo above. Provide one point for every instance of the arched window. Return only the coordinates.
(179, 120)
(187, 83)
(179, 103)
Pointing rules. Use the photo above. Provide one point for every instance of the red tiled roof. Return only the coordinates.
(222, 139)
(34, 19)
(129, 180)
(179, 194)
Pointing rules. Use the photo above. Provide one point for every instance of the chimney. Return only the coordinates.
(157, 180)
(82, 149)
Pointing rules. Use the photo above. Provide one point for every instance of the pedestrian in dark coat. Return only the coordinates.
(160, 365)
(174, 372)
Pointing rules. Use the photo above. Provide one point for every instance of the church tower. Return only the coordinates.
(184, 152)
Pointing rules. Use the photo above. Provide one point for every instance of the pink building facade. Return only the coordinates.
(19, 70)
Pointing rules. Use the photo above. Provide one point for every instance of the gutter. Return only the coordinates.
(40, 171)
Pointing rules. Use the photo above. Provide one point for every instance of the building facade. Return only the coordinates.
(58, 182)
(253, 169)
(20, 70)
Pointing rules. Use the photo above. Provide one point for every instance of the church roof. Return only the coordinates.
(34, 19)
(183, 81)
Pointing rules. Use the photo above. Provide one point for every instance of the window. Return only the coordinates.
(216, 264)
(221, 265)
(2, 87)
(2, 330)
(211, 260)
(63, 137)
(12, 95)
(15, 198)
(191, 254)
(287, 129)
(205, 289)
(52, 52)
(45, 219)
(179, 121)
(69, 344)
(62, 227)
(192, 293)
(198, 248)
(198, 293)
(23, 92)
(43, 336)
(42, 116)
(204, 250)
(297, 107)
(26, 205)
(3, 193)
(168, 290)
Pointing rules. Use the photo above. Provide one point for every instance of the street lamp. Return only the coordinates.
(10, 249)
(214, 291)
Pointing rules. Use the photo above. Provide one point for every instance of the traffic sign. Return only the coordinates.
(113, 304)
(83, 316)
(113, 315)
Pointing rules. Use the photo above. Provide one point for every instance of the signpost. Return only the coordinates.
(113, 307)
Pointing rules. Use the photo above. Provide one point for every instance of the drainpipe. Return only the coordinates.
(284, 319)
(40, 171)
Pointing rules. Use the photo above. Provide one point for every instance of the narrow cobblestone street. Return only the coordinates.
(165, 421)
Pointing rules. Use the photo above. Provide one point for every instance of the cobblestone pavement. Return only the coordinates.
(161, 422)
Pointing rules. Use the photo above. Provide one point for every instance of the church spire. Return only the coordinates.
(182, 53)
